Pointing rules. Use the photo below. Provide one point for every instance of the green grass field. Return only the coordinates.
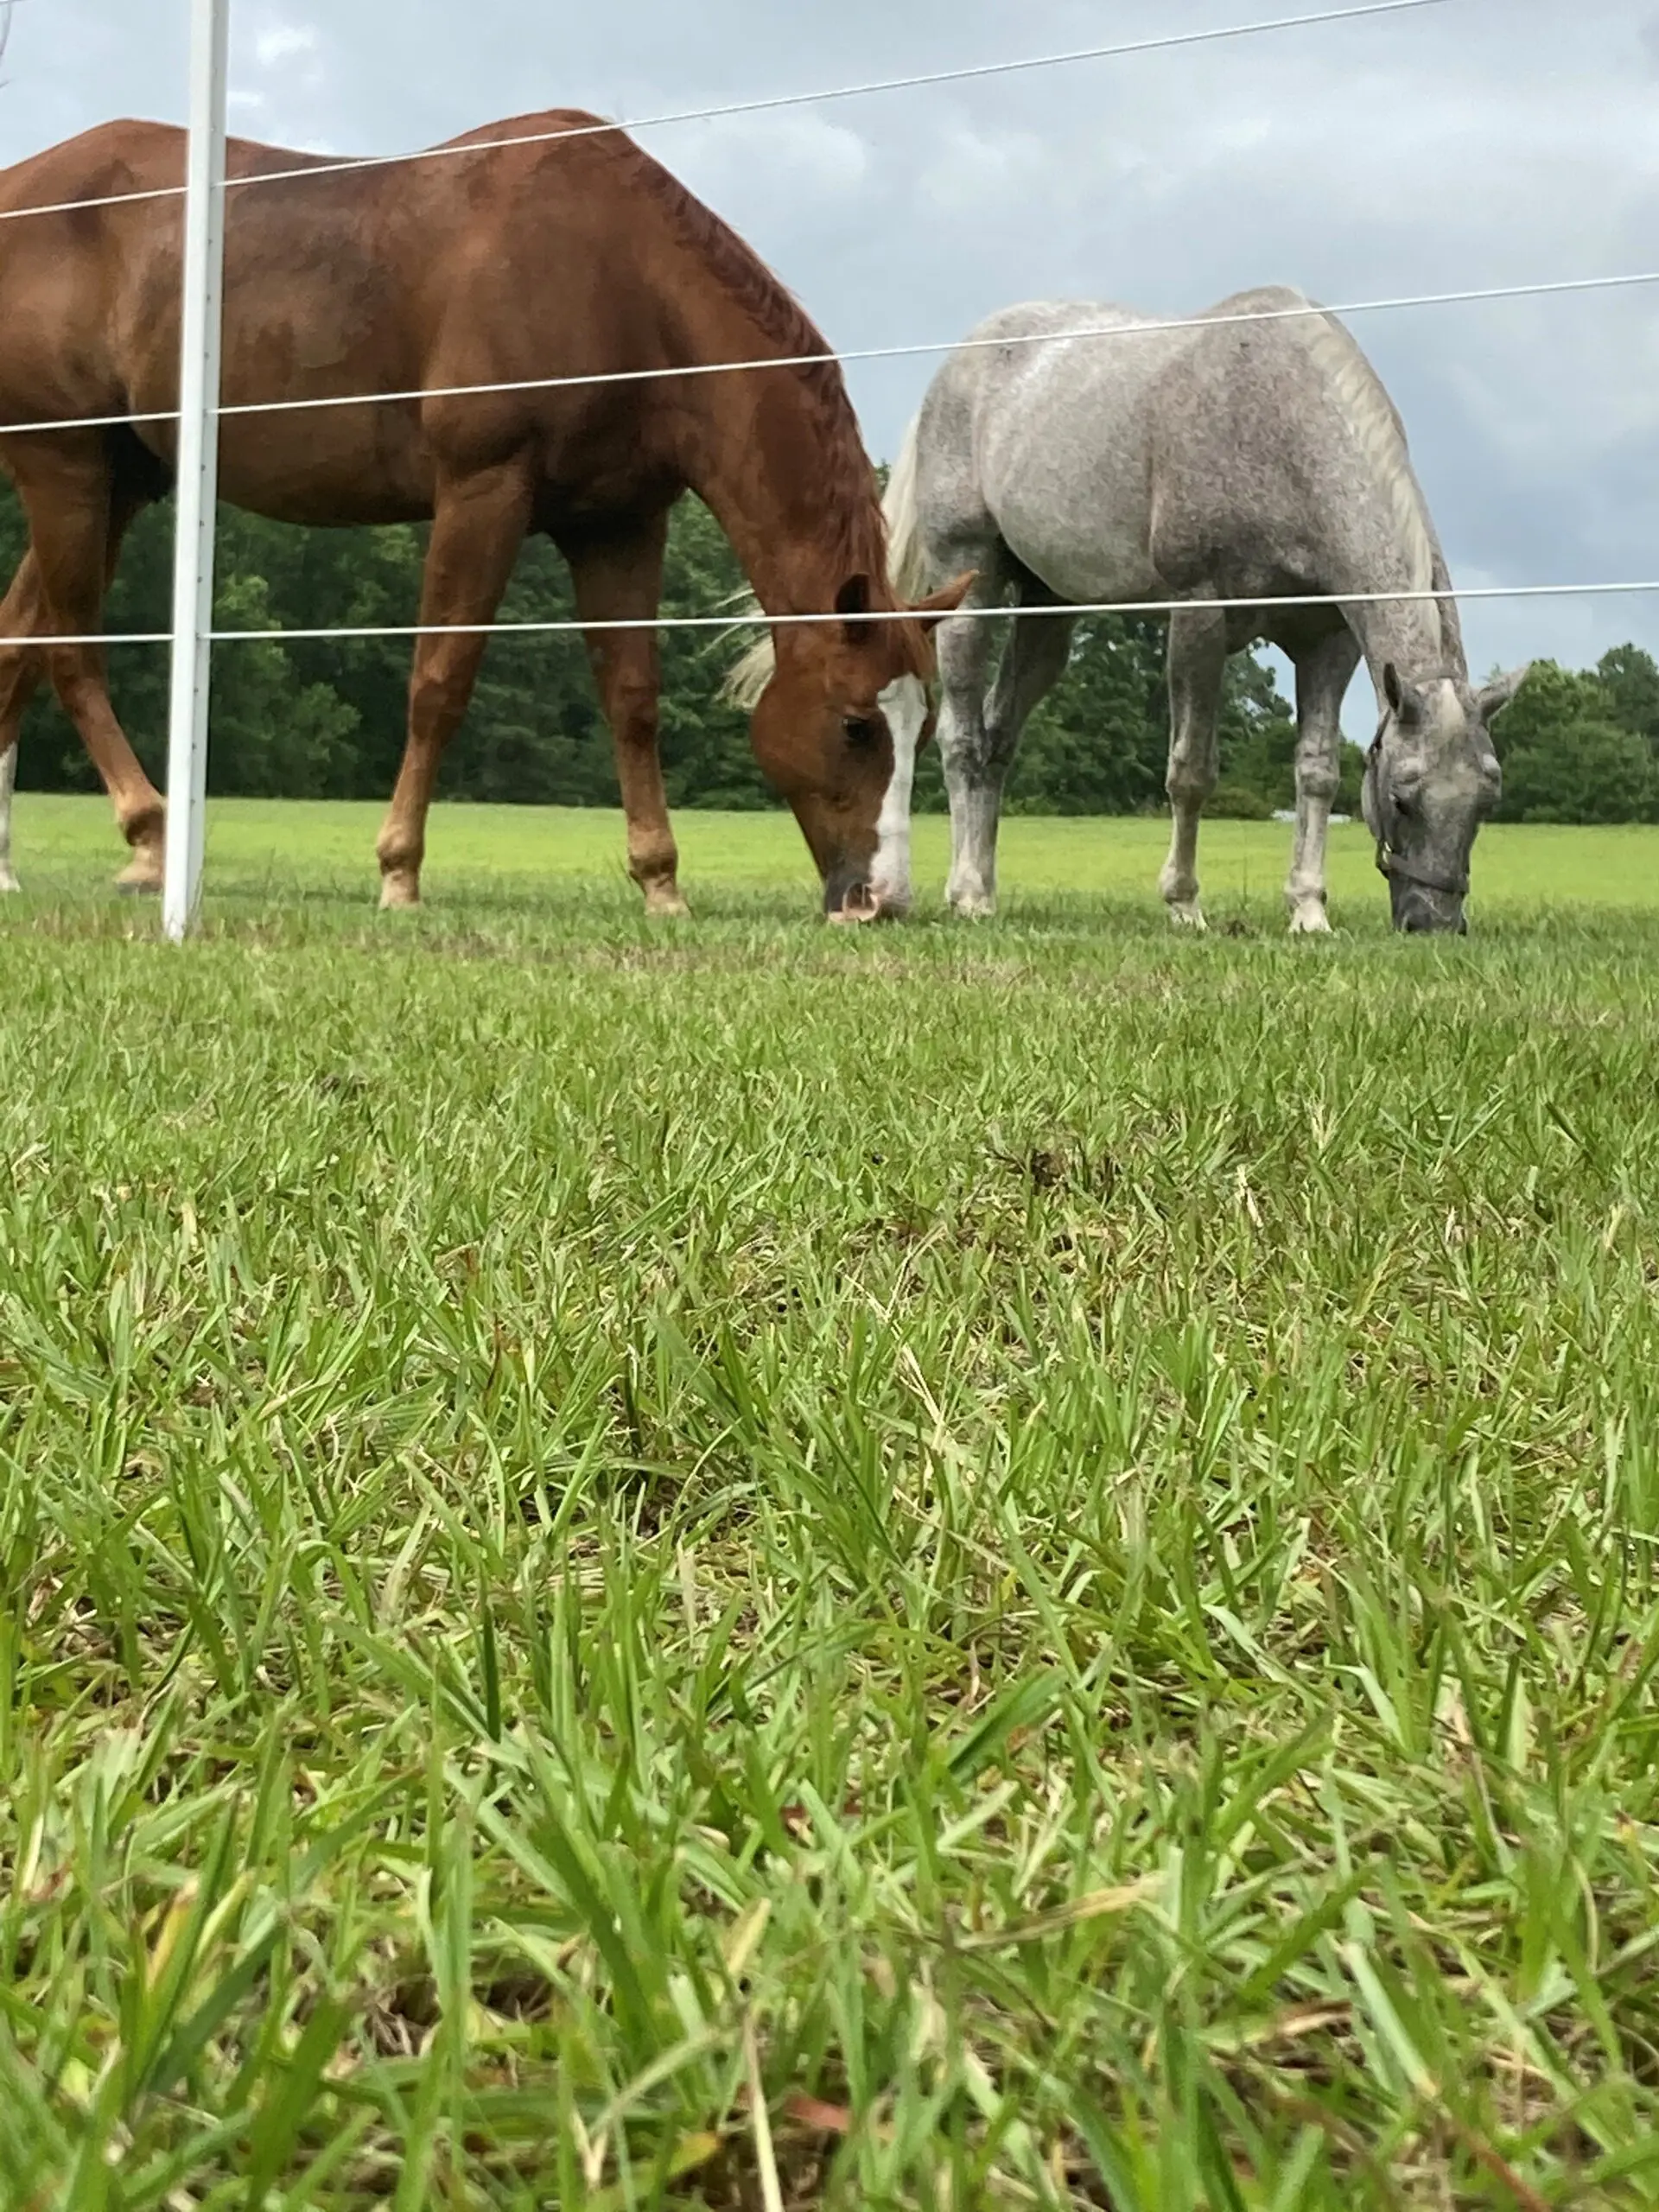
(525, 856)
(749, 1565)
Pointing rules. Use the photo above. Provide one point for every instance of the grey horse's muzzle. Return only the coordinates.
(1423, 903)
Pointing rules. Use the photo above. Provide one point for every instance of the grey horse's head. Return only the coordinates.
(1431, 779)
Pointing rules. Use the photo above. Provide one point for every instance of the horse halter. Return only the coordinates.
(1395, 865)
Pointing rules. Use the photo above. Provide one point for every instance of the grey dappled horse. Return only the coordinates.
(1251, 454)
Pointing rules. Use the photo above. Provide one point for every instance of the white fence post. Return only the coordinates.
(198, 465)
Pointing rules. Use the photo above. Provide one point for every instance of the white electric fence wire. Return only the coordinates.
(733, 621)
(729, 622)
(1470, 296)
(975, 72)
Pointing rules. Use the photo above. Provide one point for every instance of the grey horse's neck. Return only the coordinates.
(1387, 538)
(1409, 634)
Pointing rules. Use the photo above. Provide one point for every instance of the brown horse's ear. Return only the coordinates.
(931, 612)
(854, 598)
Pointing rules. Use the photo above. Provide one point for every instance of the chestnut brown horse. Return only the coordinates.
(576, 257)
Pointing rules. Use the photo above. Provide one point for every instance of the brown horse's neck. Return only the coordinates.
(775, 454)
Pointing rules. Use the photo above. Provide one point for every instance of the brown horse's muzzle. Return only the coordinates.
(849, 896)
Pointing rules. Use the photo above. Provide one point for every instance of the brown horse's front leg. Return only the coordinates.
(477, 529)
(621, 581)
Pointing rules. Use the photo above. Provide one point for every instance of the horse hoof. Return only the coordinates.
(138, 884)
(1187, 914)
(1311, 920)
(667, 906)
(399, 892)
(8, 882)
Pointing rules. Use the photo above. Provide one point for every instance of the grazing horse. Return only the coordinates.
(1252, 453)
(575, 258)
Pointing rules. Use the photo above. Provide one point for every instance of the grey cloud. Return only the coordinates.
(1483, 143)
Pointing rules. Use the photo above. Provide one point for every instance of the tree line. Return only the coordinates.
(305, 718)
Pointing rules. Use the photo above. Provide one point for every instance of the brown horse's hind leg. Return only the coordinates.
(76, 523)
(21, 610)
(477, 531)
(621, 581)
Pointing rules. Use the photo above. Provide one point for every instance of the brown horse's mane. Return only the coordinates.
(846, 481)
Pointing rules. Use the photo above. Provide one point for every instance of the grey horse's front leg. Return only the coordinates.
(1197, 664)
(8, 785)
(1323, 675)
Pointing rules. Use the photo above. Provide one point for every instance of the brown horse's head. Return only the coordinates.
(820, 737)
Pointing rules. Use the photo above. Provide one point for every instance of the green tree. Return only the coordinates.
(274, 736)
(324, 716)
(1566, 758)
(1630, 685)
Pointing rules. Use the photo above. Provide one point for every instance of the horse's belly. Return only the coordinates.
(328, 466)
(1087, 543)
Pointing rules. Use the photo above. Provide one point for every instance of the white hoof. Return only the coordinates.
(7, 880)
(1310, 920)
(973, 905)
(1187, 914)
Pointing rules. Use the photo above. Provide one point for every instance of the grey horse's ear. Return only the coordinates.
(1405, 699)
(1493, 697)
(1368, 806)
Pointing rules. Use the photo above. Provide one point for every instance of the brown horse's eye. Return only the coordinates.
(860, 730)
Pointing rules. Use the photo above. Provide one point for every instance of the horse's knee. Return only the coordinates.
(437, 698)
(1317, 779)
(968, 759)
(1189, 783)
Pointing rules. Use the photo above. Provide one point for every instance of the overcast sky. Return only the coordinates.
(1480, 142)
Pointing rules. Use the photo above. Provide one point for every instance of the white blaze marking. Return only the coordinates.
(905, 705)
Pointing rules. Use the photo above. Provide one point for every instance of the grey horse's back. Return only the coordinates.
(1275, 416)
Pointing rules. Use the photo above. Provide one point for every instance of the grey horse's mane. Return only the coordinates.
(1377, 423)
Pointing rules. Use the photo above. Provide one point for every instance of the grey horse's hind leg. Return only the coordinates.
(978, 747)
(964, 648)
(1323, 675)
(1197, 663)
